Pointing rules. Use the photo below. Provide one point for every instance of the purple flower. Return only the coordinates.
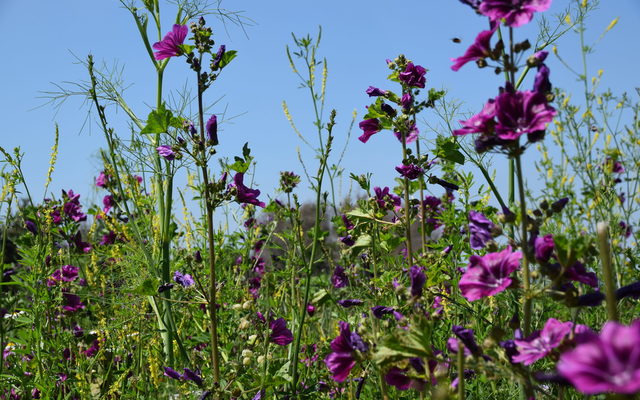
(341, 360)
(375, 92)
(280, 335)
(185, 280)
(347, 303)
(411, 136)
(212, 130)
(406, 101)
(347, 240)
(167, 152)
(521, 112)
(480, 49)
(31, 226)
(311, 309)
(190, 375)
(489, 275)
(171, 373)
(108, 203)
(339, 279)
(578, 273)
(93, 350)
(72, 207)
(482, 122)
(72, 302)
(348, 225)
(539, 344)
(108, 238)
(480, 230)
(369, 127)
(418, 280)
(102, 180)
(541, 84)
(410, 171)
(243, 193)
(467, 338)
(609, 362)
(169, 45)
(515, 12)
(384, 197)
(544, 248)
(215, 64)
(380, 311)
(413, 76)
(632, 290)
(68, 273)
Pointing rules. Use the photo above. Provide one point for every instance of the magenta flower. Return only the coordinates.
(406, 101)
(72, 302)
(370, 127)
(384, 197)
(109, 238)
(169, 46)
(515, 12)
(280, 334)
(243, 193)
(578, 273)
(540, 343)
(102, 180)
(544, 248)
(480, 49)
(341, 360)
(413, 76)
(609, 362)
(410, 171)
(185, 280)
(166, 152)
(72, 207)
(489, 275)
(483, 122)
(68, 273)
(411, 136)
(518, 113)
(108, 203)
(93, 350)
(212, 130)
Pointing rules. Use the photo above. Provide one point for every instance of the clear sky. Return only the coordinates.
(40, 39)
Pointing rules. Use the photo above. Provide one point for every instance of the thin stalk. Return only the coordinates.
(406, 205)
(460, 370)
(215, 359)
(607, 271)
(527, 304)
(423, 226)
(314, 247)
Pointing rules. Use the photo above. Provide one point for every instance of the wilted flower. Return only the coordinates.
(169, 45)
(215, 63)
(489, 275)
(609, 362)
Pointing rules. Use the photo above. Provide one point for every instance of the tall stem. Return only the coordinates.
(423, 223)
(407, 216)
(527, 304)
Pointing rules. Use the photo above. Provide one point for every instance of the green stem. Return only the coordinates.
(607, 270)
(527, 304)
(460, 370)
(407, 216)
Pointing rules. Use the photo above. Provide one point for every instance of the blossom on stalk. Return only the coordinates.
(212, 130)
(280, 334)
(341, 360)
(413, 76)
(541, 343)
(410, 171)
(339, 279)
(347, 303)
(489, 275)
(515, 12)
(480, 49)
(243, 193)
(72, 302)
(418, 280)
(185, 280)
(166, 152)
(384, 197)
(543, 247)
(480, 230)
(67, 273)
(375, 92)
(482, 122)
(609, 362)
(72, 207)
(369, 127)
(520, 113)
(102, 180)
(169, 46)
(410, 136)
(215, 63)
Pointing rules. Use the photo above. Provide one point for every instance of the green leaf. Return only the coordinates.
(403, 344)
(321, 297)
(448, 149)
(148, 287)
(158, 121)
(226, 58)
(358, 213)
(363, 241)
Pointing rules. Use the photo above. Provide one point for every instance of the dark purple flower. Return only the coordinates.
(79, 244)
(311, 309)
(411, 136)
(31, 226)
(190, 375)
(167, 152)
(280, 335)
(413, 76)
(418, 280)
(541, 84)
(171, 373)
(489, 275)
(215, 64)
(102, 180)
(480, 230)
(185, 280)
(406, 101)
(380, 311)
(67, 273)
(384, 197)
(632, 290)
(339, 279)
(539, 344)
(515, 12)
(369, 127)
(347, 303)
(341, 360)
(520, 113)
(544, 248)
(410, 171)
(108, 203)
(347, 240)
(212, 130)
(72, 207)
(480, 49)
(348, 225)
(244, 194)
(93, 350)
(169, 45)
(375, 92)
(467, 338)
(396, 377)
(609, 362)
(578, 273)
(109, 238)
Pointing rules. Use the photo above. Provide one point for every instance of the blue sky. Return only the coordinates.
(41, 38)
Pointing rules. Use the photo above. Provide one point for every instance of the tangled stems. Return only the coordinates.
(316, 234)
